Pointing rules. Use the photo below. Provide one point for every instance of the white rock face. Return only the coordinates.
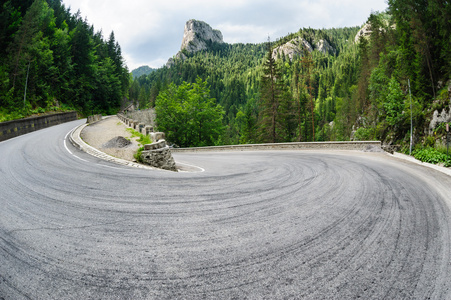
(296, 46)
(441, 117)
(293, 48)
(324, 47)
(197, 34)
(364, 31)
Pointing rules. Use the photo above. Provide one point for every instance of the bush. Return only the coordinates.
(431, 155)
(137, 155)
(143, 139)
(365, 134)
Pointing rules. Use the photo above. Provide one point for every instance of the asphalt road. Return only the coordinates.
(256, 225)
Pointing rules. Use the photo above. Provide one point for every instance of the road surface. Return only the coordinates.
(256, 225)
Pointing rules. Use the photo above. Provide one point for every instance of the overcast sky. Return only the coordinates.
(151, 31)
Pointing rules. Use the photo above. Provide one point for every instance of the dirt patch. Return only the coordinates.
(104, 135)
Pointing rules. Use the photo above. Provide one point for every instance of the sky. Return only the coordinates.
(151, 31)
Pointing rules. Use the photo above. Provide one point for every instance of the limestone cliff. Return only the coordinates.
(197, 36)
(296, 46)
(365, 32)
(292, 48)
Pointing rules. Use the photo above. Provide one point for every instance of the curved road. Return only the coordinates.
(257, 225)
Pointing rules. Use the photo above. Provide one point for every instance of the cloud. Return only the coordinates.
(150, 32)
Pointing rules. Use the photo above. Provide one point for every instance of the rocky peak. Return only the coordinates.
(198, 35)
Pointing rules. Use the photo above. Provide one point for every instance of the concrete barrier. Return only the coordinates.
(148, 130)
(355, 145)
(93, 119)
(156, 136)
(15, 128)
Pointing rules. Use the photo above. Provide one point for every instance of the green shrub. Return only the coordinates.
(429, 141)
(431, 155)
(143, 139)
(138, 153)
(365, 134)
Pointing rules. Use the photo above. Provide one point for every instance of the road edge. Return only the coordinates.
(405, 157)
(76, 140)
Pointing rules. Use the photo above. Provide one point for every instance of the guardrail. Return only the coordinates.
(355, 145)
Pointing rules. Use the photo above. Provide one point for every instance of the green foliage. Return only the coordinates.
(188, 115)
(273, 97)
(143, 139)
(394, 102)
(365, 134)
(143, 70)
(138, 154)
(58, 59)
(325, 98)
(431, 155)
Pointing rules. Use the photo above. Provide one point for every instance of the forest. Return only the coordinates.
(52, 60)
(369, 89)
(376, 87)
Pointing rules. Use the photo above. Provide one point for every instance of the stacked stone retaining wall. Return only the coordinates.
(15, 128)
(157, 154)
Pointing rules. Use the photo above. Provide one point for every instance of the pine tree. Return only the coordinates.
(271, 96)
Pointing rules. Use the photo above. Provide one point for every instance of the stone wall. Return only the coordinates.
(157, 154)
(15, 128)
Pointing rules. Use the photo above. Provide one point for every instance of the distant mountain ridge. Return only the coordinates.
(143, 70)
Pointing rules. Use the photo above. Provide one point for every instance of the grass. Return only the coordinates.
(143, 139)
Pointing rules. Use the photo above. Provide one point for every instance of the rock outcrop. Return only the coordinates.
(324, 47)
(365, 32)
(444, 116)
(197, 36)
(293, 48)
(296, 46)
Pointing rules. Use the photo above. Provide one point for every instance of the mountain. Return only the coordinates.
(234, 71)
(143, 70)
(197, 36)
(344, 87)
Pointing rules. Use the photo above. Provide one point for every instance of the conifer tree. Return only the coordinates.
(271, 96)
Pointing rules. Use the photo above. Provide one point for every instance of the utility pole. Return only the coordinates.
(26, 84)
(411, 120)
(447, 139)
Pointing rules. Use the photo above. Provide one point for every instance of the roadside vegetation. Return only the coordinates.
(52, 60)
(142, 138)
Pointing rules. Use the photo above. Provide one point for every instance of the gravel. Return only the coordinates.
(108, 136)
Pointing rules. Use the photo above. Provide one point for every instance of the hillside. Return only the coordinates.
(51, 59)
(143, 70)
(339, 84)
(233, 72)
